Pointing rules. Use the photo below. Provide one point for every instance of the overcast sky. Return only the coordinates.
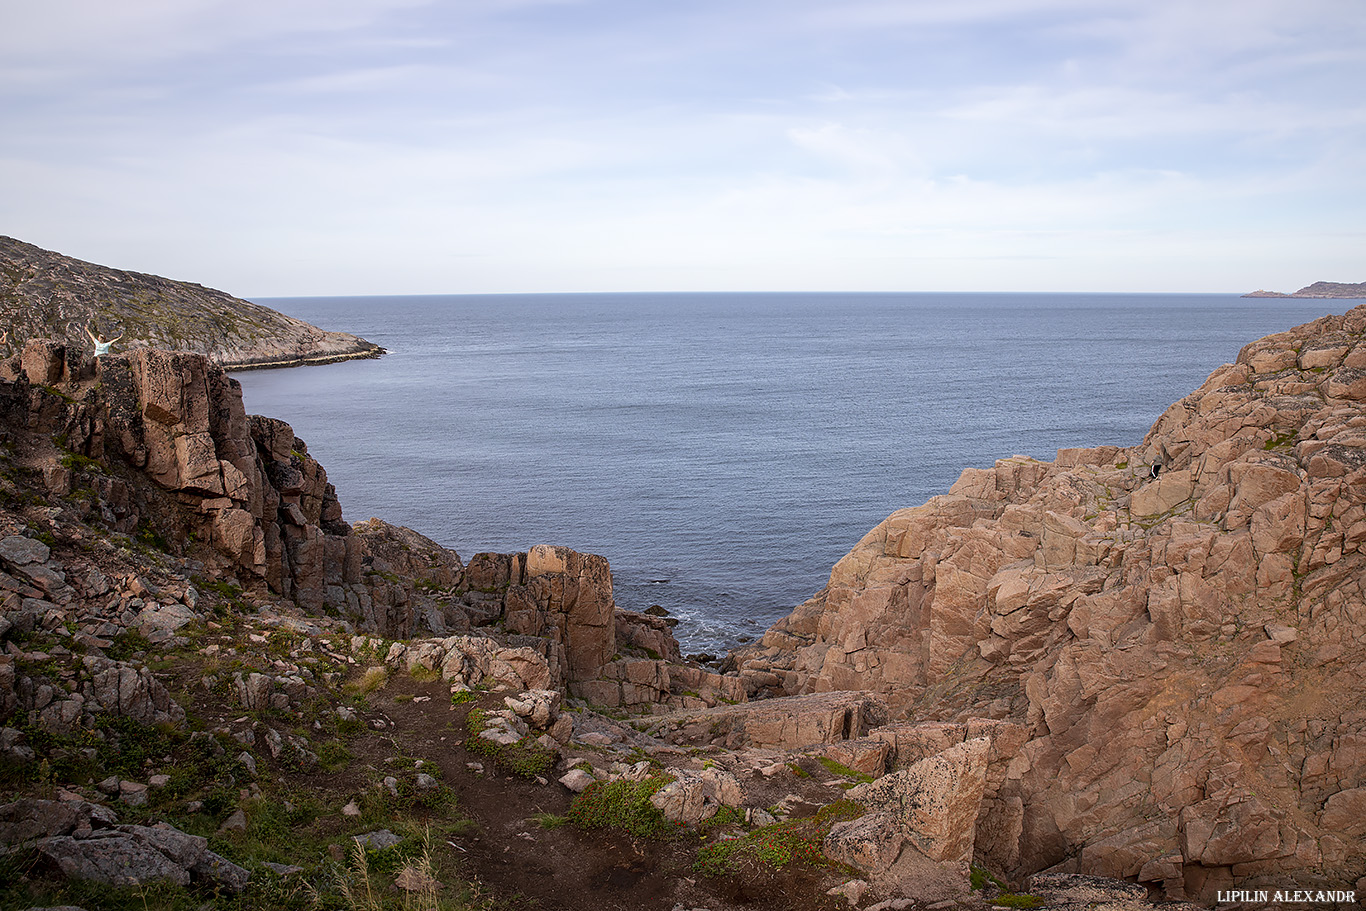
(290, 147)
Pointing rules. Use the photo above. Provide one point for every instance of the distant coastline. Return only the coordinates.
(1321, 290)
(48, 295)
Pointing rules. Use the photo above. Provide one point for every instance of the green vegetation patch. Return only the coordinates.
(121, 746)
(77, 462)
(526, 758)
(777, 845)
(842, 770)
(1281, 441)
(622, 805)
(980, 877)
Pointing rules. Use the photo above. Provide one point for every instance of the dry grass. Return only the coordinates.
(374, 678)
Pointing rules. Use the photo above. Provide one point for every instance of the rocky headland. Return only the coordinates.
(1321, 291)
(51, 296)
(1167, 639)
(1120, 676)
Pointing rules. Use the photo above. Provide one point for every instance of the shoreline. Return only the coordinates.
(369, 354)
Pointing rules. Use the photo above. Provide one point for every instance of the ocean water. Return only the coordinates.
(723, 451)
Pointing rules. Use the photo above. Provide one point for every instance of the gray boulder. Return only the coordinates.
(112, 857)
(696, 796)
(81, 840)
(19, 550)
(30, 819)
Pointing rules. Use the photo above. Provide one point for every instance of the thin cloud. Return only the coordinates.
(397, 145)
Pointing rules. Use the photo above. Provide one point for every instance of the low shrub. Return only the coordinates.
(777, 845)
(623, 805)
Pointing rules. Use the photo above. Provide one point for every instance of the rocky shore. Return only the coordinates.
(1124, 675)
(47, 295)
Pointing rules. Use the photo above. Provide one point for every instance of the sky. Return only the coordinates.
(325, 147)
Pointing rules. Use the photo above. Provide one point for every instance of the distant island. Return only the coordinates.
(1321, 290)
(48, 295)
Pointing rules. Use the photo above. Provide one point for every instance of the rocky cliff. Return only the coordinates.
(1322, 291)
(157, 444)
(1171, 633)
(47, 295)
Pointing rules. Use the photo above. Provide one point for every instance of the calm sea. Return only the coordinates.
(724, 450)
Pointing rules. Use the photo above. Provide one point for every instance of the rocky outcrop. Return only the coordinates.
(1174, 629)
(161, 445)
(776, 724)
(83, 841)
(164, 445)
(244, 486)
(560, 602)
(1142, 663)
(917, 837)
(47, 295)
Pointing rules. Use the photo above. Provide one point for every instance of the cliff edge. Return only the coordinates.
(1178, 629)
(47, 295)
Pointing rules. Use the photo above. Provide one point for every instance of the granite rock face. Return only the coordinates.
(1177, 629)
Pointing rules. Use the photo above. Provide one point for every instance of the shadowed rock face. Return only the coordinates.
(47, 295)
(1184, 652)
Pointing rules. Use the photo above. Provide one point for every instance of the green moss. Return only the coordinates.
(979, 877)
(126, 644)
(77, 462)
(1281, 441)
(843, 771)
(1011, 900)
(333, 756)
(121, 746)
(41, 534)
(231, 594)
(150, 537)
(424, 674)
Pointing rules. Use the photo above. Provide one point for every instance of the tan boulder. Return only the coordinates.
(792, 722)
(1348, 383)
(44, 362)
(568, 596)
(935, 801)
(694, 797)
(1344, 814)
(871, 843)
(1233, 829)
(1163, 494)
